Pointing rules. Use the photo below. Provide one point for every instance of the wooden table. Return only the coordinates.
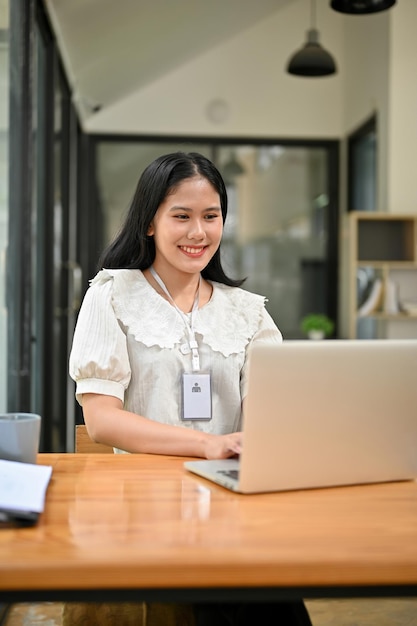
(142, 527)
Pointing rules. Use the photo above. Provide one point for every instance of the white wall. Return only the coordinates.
(380, 76)
(375, 56)
(248, 74)
(366, 84)
(402, 121)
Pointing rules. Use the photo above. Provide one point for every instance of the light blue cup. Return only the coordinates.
(19, 436)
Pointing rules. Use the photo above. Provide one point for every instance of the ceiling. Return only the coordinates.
(113, 48)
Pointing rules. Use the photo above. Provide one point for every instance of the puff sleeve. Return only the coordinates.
(99, 361)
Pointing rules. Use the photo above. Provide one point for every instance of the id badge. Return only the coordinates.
(196, 396)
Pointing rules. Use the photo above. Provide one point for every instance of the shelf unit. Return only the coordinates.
(383, 248)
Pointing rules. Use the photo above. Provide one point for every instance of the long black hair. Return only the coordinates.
(133, 248)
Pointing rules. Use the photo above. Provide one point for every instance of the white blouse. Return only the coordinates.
(131, 343)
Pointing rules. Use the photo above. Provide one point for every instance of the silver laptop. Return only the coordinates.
(325, 413)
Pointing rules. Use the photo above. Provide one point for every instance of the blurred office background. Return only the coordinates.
(93, 90)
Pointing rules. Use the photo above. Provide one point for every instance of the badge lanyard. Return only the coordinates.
(189, 324)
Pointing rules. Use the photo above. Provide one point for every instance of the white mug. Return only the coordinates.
(19, 436)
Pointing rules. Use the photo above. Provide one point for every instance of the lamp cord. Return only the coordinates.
(313, 14)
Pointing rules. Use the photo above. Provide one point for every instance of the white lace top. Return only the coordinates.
(129, 343)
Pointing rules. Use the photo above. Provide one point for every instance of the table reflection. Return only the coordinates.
(125, 506)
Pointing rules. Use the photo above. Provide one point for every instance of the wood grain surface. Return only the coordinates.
(142, 521)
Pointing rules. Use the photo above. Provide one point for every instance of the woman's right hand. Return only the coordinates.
(223, 446)
(108, 422)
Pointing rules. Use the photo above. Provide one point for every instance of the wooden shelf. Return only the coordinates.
(388, 316)
(385, 245)
(386, 239)
(403, 265)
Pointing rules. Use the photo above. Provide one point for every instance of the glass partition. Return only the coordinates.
(278, 232)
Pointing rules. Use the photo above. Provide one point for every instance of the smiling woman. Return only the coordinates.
(187, 230)
(163, 315)
(161, 320)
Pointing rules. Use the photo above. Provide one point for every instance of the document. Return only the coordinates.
(22, 490)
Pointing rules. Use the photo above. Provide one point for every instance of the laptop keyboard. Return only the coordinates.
(230, 473)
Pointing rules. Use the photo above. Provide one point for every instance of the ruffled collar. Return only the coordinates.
(226, 323)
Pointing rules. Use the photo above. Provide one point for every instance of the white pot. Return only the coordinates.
(316, 334)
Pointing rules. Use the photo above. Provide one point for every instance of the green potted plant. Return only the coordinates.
(317, 326)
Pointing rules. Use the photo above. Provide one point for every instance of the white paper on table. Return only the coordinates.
(23, 486)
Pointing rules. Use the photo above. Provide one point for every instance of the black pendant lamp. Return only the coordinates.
(361, 7)
(312, 59)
